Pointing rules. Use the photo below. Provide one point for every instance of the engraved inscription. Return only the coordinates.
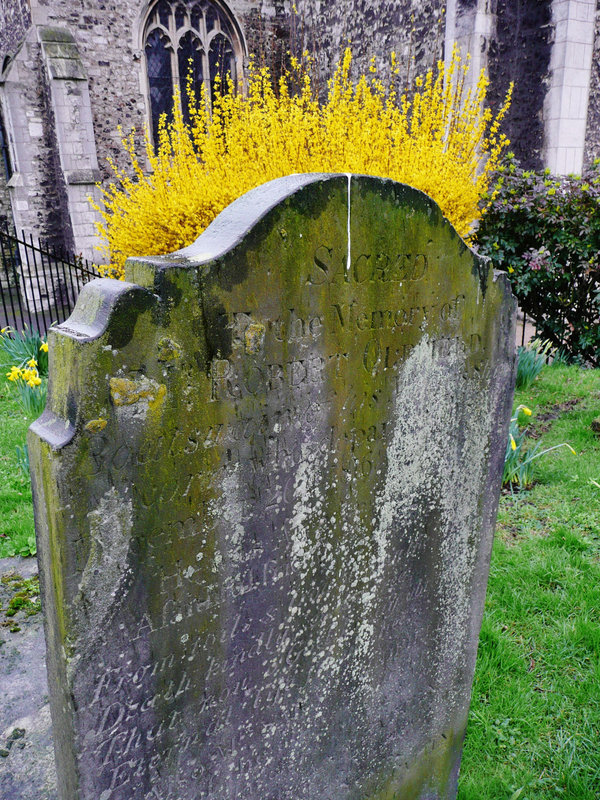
(283, 551)
(331, 267)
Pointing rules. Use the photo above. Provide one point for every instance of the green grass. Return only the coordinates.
(16, 512)
(534, 727)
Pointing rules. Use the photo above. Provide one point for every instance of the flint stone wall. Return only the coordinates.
(15, 19)
(373, 29)
(265, 489)
(592, 134)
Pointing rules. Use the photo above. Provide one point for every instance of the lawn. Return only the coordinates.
(534, 727)
(16, 511)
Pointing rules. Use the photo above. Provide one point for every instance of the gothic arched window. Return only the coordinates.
(188, 40)
(4, 151)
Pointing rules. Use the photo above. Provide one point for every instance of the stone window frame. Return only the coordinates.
(8, 162)
(6, 159)
(148, 23)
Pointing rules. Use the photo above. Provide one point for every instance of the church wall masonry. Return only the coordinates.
(36, 187)
(592, 143)
(413, 30)
(520, 52)
(5, 207)
(104, 37)
(15, 19)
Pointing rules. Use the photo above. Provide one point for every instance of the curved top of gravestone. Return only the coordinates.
(236, 221)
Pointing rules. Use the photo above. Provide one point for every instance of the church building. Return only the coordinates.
(75, 75)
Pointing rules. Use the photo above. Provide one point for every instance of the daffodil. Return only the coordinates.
(513, 444)
(44, 347)
(32, 362)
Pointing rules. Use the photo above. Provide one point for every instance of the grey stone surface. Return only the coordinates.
(27, 769)
(265, 488)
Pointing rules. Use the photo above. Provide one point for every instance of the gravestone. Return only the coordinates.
(265, 488)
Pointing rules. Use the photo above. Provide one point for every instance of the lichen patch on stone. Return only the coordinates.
(125, 392)
(168, 350)
(254, 337)
(96, 425)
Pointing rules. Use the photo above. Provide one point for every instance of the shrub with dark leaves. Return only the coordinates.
(545, 231)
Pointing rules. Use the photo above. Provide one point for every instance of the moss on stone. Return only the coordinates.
(238, 435)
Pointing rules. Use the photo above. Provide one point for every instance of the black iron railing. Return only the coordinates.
(38, 284)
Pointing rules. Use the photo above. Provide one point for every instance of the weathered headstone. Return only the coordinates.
(265, 486)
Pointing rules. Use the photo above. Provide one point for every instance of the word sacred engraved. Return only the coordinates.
(328, 268)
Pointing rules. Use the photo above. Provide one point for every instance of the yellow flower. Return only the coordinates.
(44, 347)
(526, 410)
(14, 374)
(513, 444)
(32, 362)
(439, 139)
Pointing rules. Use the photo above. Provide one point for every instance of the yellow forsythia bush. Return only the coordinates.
(441, 140)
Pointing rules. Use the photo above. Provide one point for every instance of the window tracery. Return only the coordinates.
(185, 40)
(4, 151)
